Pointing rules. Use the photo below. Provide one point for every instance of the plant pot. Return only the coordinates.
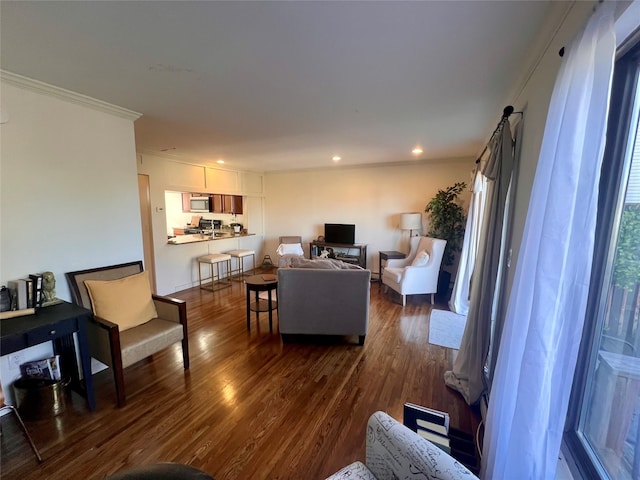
(37, 399)
(444, 279)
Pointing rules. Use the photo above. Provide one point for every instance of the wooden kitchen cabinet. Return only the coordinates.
(237, 204)
(232, 204)
(186, 202)
(217, 204)
(229, 204)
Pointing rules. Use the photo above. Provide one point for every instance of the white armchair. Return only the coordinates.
(418, 272)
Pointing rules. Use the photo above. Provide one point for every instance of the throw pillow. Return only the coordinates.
(126, 301)
(421, 259)
(318, 263)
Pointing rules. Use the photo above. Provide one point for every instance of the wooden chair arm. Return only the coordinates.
(171, 309)
(102, 323)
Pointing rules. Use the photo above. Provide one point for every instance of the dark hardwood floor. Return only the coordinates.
(249, 406)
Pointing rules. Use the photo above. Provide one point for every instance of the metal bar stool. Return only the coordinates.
(216, 279)
(239, 255)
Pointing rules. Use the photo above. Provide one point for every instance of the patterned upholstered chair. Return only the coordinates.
(394, 451)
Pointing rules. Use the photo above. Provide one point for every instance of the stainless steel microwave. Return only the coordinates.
(200, 204)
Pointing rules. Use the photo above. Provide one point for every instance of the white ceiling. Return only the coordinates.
(273, 85)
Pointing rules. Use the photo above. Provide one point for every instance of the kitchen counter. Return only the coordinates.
(199, 237)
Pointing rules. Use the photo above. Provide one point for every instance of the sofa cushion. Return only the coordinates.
(126, 301)
(421, 259)
(323, 263)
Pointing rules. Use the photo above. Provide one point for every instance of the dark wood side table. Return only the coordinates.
(261, 283)
(387, 255)
(56, 323)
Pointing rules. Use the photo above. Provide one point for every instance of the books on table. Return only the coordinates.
(430, 424)
(26, 293)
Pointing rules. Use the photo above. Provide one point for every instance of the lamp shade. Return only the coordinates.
(411, 221)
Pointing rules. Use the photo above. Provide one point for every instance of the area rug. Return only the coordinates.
(446, 328)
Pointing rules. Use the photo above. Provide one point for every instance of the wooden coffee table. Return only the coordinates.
(261, 283)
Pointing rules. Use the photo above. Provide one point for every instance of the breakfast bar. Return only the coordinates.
(201, 237)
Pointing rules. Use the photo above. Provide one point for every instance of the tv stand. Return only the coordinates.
(356, 253)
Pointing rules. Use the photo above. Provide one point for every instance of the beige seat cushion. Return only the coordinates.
(126, 301)
(146, 339)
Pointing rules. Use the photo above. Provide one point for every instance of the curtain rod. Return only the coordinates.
(506, 113)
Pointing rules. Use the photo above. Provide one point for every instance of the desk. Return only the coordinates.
(261, 283)
(56, 323)
(386, 255)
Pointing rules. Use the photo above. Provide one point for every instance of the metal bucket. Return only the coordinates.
(37, 399)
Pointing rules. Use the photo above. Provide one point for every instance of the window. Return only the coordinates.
(603, 427)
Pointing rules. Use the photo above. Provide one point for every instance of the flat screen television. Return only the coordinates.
(339, 233)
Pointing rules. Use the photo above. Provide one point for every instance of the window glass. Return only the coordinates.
(609, 421)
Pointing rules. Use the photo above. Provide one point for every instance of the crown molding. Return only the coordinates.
(67, 95)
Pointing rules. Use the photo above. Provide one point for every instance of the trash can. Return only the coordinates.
(37, 399)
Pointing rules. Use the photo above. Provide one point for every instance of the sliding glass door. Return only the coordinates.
(604, 428)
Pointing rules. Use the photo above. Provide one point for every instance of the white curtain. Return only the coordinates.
(459, 302)
(537, 354)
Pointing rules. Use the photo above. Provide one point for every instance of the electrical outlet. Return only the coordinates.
(15, 359)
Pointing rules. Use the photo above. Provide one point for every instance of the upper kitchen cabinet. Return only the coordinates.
(222, 180)
(216, 203)
(236, 204)
(251, 183)
(227, 204)
(182, 175)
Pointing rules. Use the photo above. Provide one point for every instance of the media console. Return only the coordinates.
(356, 254)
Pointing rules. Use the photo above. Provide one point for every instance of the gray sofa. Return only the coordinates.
(318, 301)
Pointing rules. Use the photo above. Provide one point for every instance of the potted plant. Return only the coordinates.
(447, 221)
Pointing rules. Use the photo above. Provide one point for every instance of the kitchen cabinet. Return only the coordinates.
(186, 202)
(216, 202)
(227, 203)
(237, 204)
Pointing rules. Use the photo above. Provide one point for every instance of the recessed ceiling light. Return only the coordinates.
(417, 151)
(336, 158)
(220, 161)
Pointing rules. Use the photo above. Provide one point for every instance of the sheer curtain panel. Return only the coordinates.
(459, 302)
(543, 326)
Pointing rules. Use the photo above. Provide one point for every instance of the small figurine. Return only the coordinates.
(49, 289)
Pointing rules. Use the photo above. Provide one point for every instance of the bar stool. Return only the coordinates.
(239, 256)
(211, 260)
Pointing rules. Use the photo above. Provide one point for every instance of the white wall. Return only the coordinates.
(68, 193)
(371, 197)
